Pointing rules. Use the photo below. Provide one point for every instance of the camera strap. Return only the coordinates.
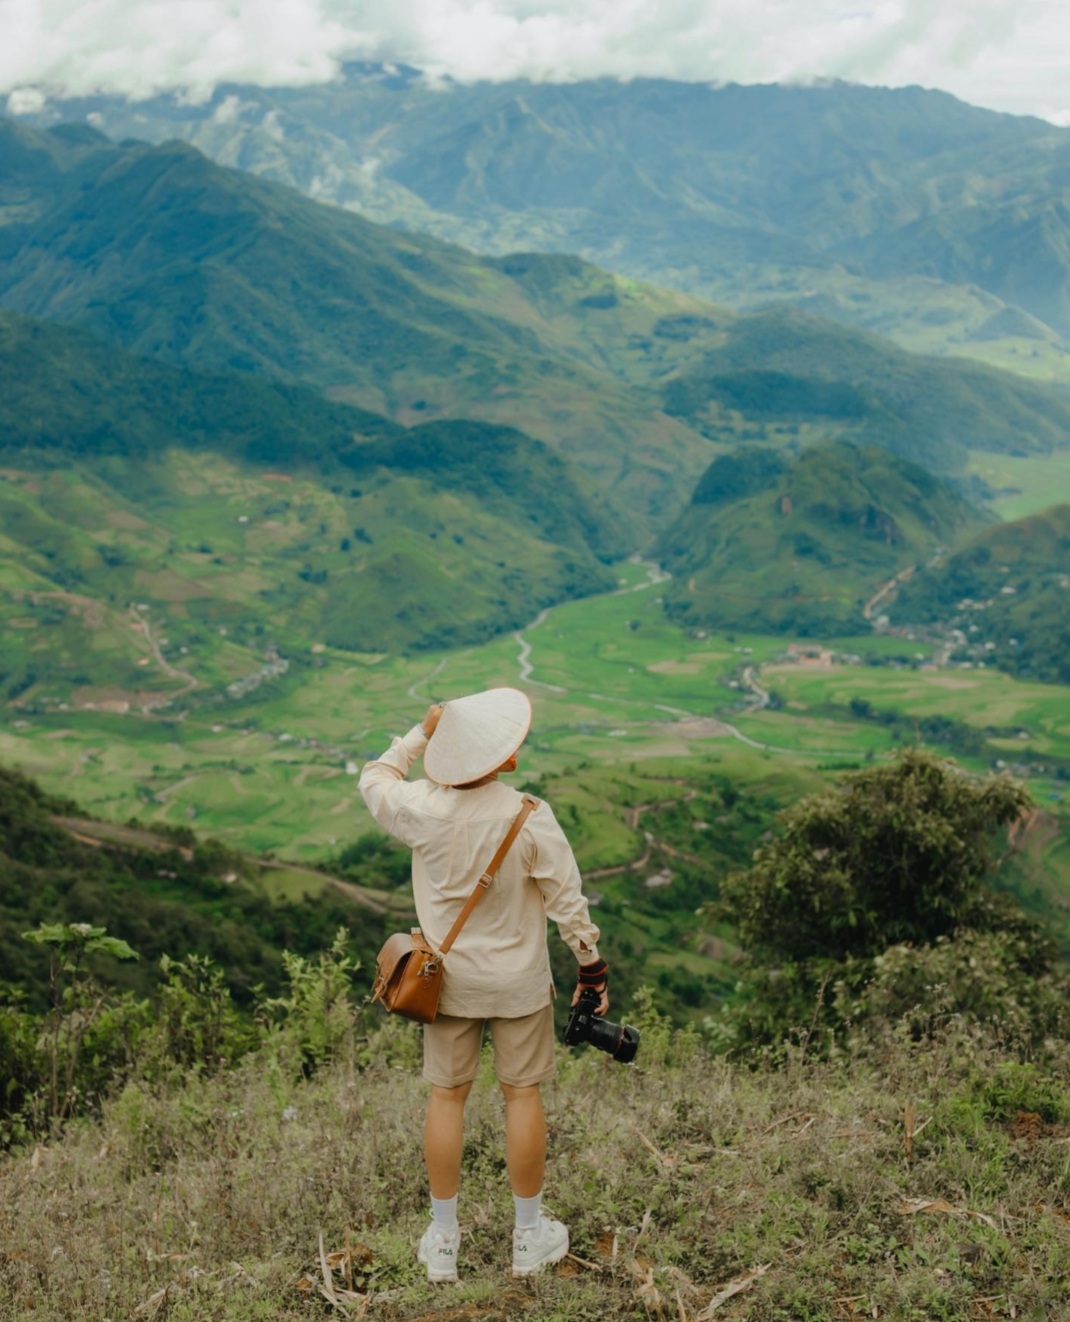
(529, 805)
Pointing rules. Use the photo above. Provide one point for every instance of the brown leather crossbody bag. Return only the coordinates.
(408, 970)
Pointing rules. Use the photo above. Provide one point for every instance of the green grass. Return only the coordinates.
(981, 698)
(270, 774)
(1023, 486)
(898, 1178)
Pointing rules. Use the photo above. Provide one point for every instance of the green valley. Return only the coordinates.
(273, 477)
(629, 708)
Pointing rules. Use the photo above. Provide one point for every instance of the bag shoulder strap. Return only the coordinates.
(529, 805)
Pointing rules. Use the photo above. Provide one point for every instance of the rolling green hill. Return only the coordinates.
(862, 200)
(256, 511)
(786, 370)
(1007, 591)
(769, 547)
(163, 892)
(170, 256)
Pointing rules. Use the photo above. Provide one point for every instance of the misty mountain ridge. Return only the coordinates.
(835, 192)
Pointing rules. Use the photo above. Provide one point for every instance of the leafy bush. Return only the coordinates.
(315, 1017)
(870, 907)
(980, 975)
(199, 1025)
(896, 853)
(85, 1028)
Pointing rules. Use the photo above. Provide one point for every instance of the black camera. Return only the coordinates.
(621, 1041)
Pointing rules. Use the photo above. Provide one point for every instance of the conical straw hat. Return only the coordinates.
(476, 734)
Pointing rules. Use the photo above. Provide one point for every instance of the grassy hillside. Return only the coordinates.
(1010, 587)
(262, 509)
(795, 375)
(164, 892)
(768, 547)
(917, 1180)
(237, 562)
(71, 395)
(183, 1103)
(170, 256)
(861, 199)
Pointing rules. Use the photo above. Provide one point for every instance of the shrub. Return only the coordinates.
(869, 906)
(895, 853)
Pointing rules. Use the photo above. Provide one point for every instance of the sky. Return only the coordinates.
(1010, 55)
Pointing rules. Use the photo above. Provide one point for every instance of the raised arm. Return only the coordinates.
(382, 782)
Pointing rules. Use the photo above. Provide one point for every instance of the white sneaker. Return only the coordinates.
(537, 1246)
(438, 1252)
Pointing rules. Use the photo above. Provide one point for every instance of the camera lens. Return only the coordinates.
(621, 1041)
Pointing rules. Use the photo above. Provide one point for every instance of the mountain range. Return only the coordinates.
(904, 210)
(483, 434)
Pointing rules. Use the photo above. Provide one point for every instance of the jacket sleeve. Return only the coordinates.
(557, 875)
(382, 782)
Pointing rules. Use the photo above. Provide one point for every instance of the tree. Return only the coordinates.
(870, 904)
(896, 853)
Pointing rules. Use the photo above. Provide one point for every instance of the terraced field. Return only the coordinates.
(615, 687)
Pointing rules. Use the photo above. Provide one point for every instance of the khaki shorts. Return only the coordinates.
(523, 1049)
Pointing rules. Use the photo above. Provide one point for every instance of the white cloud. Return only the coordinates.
(272, 126)
(26, 101)
(228, 110)
(993, 52)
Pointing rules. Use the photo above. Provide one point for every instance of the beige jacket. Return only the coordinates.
(500, 965)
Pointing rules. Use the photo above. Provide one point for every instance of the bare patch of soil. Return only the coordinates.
(1028, 1127)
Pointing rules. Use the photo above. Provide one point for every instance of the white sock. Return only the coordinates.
(527, 1211)
(444, 1210)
